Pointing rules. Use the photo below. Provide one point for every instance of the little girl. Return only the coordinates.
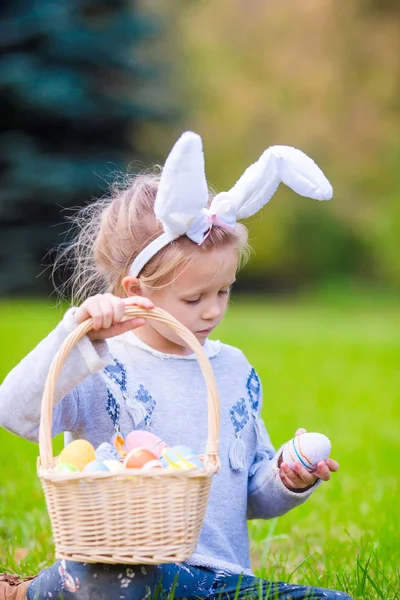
(164, 241)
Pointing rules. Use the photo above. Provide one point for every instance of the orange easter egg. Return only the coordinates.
(78, 453)
(138, 457)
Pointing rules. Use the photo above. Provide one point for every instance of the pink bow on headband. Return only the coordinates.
(182, 195)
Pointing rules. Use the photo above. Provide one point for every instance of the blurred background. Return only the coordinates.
(90, 88)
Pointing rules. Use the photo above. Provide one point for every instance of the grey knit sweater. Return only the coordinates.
(123, 383)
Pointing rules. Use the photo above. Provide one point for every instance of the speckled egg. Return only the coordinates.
(308, 449)
(78, 453)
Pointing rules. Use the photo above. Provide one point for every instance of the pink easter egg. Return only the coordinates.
(144, 439)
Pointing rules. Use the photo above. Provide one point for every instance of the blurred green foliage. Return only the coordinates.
(72, 75)
(322, 75)
(82, 97)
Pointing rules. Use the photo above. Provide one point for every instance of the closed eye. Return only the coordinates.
(227, 291)
(193, 301)
(197, 300)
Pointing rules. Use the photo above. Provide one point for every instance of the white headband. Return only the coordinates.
(182, 195)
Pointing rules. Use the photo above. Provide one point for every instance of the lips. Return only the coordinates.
(206, 331)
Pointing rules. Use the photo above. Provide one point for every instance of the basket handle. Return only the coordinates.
(157, 314)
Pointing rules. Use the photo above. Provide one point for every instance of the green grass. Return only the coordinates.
(327, 365)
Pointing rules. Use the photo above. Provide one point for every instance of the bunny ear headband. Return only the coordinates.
(182, 197)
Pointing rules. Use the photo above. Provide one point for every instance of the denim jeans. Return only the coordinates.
(69, 580)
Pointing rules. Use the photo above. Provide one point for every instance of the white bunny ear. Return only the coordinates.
(260, 181)
(299, 172)
(181, 199)
(182, 193)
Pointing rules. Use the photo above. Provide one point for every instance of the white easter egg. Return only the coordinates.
(308, 449)
(151, 465)
(114, 466)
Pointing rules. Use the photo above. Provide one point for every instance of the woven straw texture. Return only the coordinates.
(129, 517)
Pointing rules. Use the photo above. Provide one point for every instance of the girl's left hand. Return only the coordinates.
(301, 479)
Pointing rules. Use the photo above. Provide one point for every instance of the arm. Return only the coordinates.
(22, 390)
(268, 497)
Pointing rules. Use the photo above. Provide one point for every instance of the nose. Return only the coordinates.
(212, 311)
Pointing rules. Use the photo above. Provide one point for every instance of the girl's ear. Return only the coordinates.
(131, 286)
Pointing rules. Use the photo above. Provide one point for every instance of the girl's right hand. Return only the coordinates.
(107, 311)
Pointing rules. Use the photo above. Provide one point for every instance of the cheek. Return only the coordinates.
(182, 313)
(167, 333)
(186, 315)
(224, 303)
(178, 309)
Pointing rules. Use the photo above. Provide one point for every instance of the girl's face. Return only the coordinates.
(198, 298)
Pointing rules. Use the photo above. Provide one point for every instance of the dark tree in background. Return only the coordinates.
(69, 76)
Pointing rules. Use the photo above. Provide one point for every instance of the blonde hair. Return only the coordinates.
(112, 231)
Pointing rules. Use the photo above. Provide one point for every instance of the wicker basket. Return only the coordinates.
(131, 516)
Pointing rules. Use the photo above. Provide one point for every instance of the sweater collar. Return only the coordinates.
(211, 348)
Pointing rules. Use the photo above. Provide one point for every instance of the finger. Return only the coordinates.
(285, 480)
(322, 471)
(304, 475)
(138, 301)
(107, 310)
(130, 324)
(291, 475)
(118, 309)
(333, 465)
(300, 431)
(81, 314)
(118, 329)
(292, 481)
(92, 306)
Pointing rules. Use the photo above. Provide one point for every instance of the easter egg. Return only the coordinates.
(188, 458)
(106, 451)
(308, 449)
(144, 439)
(193, 462)
(114, 465)
(170, 457)
(78, 453)
(181, 457)
(151, 465)
(184, 451)
(95, 466)
(66, 468)
(169, 468)
(138, 457)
